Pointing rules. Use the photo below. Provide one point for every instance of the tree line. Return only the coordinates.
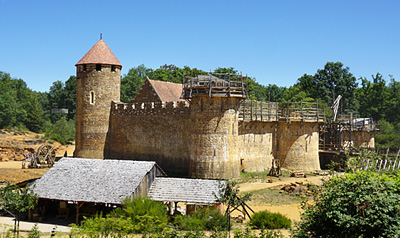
(377, 98)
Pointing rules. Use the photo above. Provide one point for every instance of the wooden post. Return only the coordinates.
(251, 110)
(77, 206)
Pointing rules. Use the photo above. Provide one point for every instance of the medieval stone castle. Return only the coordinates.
(203, 128)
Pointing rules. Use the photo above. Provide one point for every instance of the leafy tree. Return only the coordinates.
(70, 97)
(15, 200)
(34, 120)
(361, 204)
(169, 73)
(373, 97)
(131, 82)
(295, 94)
(393, 101)
(62, 131)
(330, 82)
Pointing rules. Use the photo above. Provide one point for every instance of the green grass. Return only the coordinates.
(271, 196)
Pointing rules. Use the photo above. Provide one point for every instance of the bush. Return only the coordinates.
(263, 234)
(140, 215)
(202, 219)
(361, 204)
(269, 220)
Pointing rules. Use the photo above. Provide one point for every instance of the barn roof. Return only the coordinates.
(92, 180)
(168, 92)
(99, 54)
(185, 190)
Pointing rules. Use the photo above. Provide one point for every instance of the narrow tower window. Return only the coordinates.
(113, 68)
(98, 67)
(84, 68)
(91, 97)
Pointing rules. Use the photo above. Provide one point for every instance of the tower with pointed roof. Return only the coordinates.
(97, 85)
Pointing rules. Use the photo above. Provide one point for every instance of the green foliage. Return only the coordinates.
(330, 82)
(15, 200)
(34, 232)
(62, 131)
(263, 234)
(269, 220)
(202, 219)
(140, 215)
(146, 214)
(131, 82)
(361, 204)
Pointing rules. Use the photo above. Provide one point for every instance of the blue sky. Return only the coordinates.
(274, 41)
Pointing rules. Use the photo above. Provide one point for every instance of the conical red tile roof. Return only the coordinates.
(99, 54)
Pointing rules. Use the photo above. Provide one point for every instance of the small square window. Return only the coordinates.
(98, 67)
(113, 67)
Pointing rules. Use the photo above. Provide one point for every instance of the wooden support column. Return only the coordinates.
(77, 206)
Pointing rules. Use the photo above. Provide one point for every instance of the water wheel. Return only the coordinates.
(45, 155)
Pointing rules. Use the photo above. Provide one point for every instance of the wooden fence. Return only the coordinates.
(380, 165)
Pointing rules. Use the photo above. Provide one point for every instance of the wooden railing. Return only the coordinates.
(251, 110)
(225, 85)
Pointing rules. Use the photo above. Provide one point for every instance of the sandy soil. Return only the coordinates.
(14, 146)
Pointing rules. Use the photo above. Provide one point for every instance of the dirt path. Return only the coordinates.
(248, 187)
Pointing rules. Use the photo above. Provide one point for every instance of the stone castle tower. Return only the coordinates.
(214, 130)
(97, 85)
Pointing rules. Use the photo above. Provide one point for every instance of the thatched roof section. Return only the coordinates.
(92, 180)
(185, 190)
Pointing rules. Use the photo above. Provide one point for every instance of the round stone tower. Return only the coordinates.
(214, 104)
(98, 83)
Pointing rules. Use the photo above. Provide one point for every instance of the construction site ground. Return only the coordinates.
(267, 191)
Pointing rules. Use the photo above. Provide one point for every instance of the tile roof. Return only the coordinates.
(99, 54)
(185, 190)
(92, 180)
(168, 92)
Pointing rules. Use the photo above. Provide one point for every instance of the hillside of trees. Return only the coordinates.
(377, 98)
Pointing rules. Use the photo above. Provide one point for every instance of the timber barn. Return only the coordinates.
(86, 186)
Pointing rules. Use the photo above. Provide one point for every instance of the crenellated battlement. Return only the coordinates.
(153, 108)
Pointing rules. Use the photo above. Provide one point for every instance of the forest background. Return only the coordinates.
(377, 98)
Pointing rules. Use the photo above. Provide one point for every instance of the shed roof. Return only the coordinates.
(168, 92)
(99, 54)
(92, 180)
(185, 190)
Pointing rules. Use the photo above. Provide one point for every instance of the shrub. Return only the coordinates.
(263, 234)
(140, 215)
(34, 232)
(270, 220)
(202, 219)
(361, 204)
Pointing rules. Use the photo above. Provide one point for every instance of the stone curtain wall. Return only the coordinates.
(152, 132)
(92, 118)
(257, 142)
(359, 138)
(298, 145)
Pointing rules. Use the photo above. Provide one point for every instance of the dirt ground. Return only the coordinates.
(14, 146)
